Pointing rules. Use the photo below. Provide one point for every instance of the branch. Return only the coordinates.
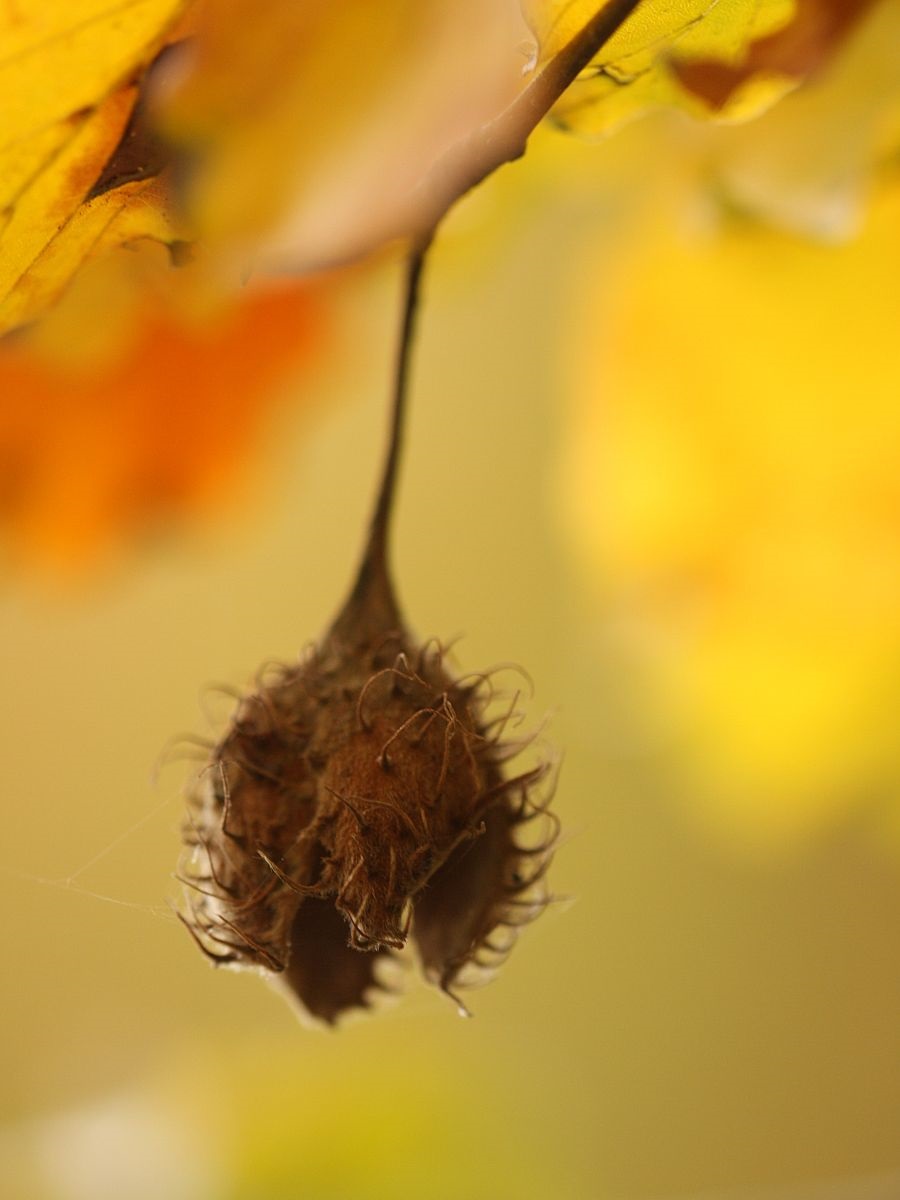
(465, 164)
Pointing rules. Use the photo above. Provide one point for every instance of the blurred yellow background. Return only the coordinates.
(715, 1012)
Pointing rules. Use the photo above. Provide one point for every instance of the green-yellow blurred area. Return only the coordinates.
(652, 458)
(741, 515)
(747, 513)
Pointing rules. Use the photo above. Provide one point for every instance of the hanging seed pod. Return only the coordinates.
(359, 800)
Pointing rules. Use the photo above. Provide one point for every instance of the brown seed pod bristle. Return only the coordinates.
(359, 800)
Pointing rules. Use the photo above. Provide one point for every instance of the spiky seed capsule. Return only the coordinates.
(357, 800)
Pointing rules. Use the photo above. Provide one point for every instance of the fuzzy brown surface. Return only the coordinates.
(358, 800)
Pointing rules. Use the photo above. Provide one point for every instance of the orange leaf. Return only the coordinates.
(159, 425)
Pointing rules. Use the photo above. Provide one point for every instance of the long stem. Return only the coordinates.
(372, 605)
(372, 601)
(379, 530)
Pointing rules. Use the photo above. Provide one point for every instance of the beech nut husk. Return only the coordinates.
(358, 801)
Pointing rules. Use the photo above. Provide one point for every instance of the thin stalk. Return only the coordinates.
(372, 605)
(372, 602)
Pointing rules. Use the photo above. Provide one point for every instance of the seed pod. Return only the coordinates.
(357, 801)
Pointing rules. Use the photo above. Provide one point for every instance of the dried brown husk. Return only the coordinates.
(359, 800)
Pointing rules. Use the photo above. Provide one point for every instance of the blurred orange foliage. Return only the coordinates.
(158, 421)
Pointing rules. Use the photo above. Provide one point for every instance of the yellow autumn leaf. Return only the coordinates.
(726, 25)
(795, 51)
(634, 71)
(67, 91)
(61, 57)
